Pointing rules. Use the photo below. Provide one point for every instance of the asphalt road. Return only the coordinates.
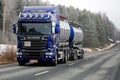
(99, 66)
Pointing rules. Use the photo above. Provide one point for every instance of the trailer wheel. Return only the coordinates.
(73, 57)
(79, 57)
(82, 54)
(65, 59)
(68, 55)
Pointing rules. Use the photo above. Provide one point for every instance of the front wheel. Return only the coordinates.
(21, 63)
(55, 61)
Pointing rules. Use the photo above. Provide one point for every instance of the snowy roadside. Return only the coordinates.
(89, 50)
(7, 53)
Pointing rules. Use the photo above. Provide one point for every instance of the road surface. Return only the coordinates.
(96, 66)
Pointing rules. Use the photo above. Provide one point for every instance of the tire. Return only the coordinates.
(55, 62)
(21, 63)
(65, 59)
(73, 57)
(82, 56)
(68, 56)
(79, 57)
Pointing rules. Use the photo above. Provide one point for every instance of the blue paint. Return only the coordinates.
(23, 58)
(19, 43)
(71, 34)
(14, 28)
(32, 21)
(49, 42)
(57, 28)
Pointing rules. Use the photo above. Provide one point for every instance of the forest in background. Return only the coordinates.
(97, 28)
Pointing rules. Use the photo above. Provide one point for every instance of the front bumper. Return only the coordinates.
(26, 59)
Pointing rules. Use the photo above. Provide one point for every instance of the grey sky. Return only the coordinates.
(110, 7)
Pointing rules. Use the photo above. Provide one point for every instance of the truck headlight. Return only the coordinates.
(19, 53)
(49, 53)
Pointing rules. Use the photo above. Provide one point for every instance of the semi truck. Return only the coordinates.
(45, 36)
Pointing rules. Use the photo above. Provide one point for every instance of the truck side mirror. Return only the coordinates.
(14, 28)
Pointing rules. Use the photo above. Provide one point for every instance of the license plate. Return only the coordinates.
(33, 61)
(27, 43)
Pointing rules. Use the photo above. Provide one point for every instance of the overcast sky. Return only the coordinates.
(110, 7)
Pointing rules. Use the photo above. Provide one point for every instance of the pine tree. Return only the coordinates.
(1, 14)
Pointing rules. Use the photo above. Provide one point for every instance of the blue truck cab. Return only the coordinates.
(36, 34)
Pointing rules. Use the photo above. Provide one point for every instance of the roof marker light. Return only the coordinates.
(25, 15)
(42, 15)
(21, 16)
(36, 15)
(30, 15)
(46, 16)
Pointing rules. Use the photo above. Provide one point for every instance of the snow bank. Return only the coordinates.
(2, 48)
(7, 48)
(117, 41)
(87, 50)
(7, 53)
(108, 47)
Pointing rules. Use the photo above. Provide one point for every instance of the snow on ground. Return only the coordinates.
(7, 53)
(108, 47)
(89, 50)
(2, 48)
(7, 48)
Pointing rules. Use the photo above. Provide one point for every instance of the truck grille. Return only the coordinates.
(35, 45)
(36, 49)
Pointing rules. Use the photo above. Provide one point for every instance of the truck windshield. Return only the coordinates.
(35, 28)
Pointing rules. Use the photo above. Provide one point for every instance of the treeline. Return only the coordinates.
(1, 12)
(97, 28)
(1, 17)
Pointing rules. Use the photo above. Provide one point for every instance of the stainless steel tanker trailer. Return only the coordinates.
(45, 36)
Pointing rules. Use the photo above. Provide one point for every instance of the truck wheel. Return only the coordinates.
(55, 62)
(21, 63)
(68, 56)
(82, 54)
(79, 57)
(65, 59)
(73, 57)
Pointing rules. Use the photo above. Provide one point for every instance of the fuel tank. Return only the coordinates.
(70, 33)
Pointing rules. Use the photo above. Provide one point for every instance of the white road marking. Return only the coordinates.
(71, 64)
(41, 73)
